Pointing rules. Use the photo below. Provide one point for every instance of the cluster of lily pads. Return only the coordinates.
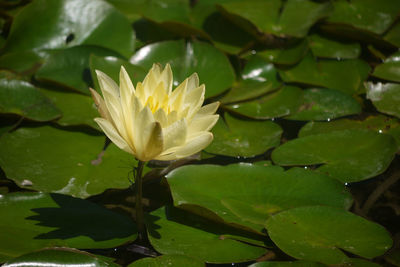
(310, 105)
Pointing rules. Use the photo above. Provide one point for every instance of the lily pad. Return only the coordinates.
(112, 66)
(48, 25)
(390, 69)
(287, 264)
(281, 103)
(247, 195)
(25, 62)
(58, 257)
(33, 221)
(385, 97)
(379, 124)
(349, 155)
(240, 138)
(295, 232)
(168, 260)
(22, 98)
(257, 78)
(211, 244)
(287, 55)
(371, 15)
(393, 35)
(77, 109)
(67, 162)
(325, 104)
(266, 15)
(346, 76)
(70, 67)
(330, 48)
(187, 58)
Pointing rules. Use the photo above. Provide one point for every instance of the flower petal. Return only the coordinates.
(161, 117)
(167, 78)
(177, 97)
(202, 123)
(208, 109)
(194, 99)
(100, 104)
(113, 134)
(142, 129)
(193, 81)
(175, 134)
(154, 143)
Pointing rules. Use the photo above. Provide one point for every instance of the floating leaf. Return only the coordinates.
(370, 15)
(22, 98)
(346, 76)
(379, 124)
(349, 155)
(76, 109)
(385, 97)
(393, 35)
(75, 62)
(25, 63)
(48, 25)
(286, 55)
(187, 58)
(58, 257)
(390, 69)
(167, 260)
(287, 264)
(66, 162)
(213, 243)
(112, 66)
(258, 77)
(324, 104)
(240, 138)
(295, 232)
(277, 104)
(37, 220)
(265, 15)
(247, 195)
(330, 48)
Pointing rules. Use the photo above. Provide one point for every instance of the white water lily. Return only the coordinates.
(152, 121)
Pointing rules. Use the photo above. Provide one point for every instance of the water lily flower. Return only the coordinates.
(152, 121)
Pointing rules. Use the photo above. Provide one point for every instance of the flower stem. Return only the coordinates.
(138, 202)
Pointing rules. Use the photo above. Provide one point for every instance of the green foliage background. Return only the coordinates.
(304, 156)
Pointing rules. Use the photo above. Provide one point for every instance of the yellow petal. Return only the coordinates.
(154, 143)
(202, 123)
(101, 106)
(167, 78)
(142, 130)
(161, 117)
(177, 97)
(113, 134)
(208, 109)
(195, 144)
(175, 134)
(194, 99)
(193, 81)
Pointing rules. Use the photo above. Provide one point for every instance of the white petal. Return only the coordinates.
(193, 81)
(113, 134)
(194, 99)
(167, 78)
(142, 130)
(154, 143)
(175, 134)
(177, 97)
(100, 104)
(208, 109)
(161, 117)
(202, 123)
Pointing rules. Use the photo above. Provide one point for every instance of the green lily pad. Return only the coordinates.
(390, 69)
(329, 48)
(349, 155)
(77, 109)
(22, 98)
(287, 264)
(379, 124)
(49, 25)
(187, 58)
(60, 257)
(295, 232)
(393, 35)
(287, 55)
(70, 67)
(25, 62)
(347, 75)
(168, 260)
(33, 221)
(239, 138)
(112, 66)
(157, 10)
(276, 104)
(385, 97)
(53, 160)
(370, 15)
(325, 104)
(197, 238)
(247, 195)
(257, 78)
(266, 15)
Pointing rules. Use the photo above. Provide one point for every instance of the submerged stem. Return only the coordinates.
(138, 202)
